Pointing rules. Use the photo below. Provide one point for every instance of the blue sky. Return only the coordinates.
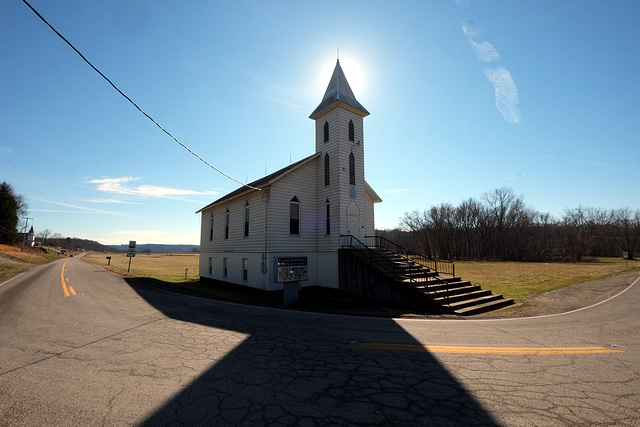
(465, 97)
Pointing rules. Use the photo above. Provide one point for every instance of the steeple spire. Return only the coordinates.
(339, 90)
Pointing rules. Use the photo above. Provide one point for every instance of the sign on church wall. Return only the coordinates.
(291, 269)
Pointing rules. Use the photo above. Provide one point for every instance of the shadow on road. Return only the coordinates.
(304, 369)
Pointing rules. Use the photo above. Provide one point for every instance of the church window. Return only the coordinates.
(211, 228)
(326, 169)
(246, 219)
(326, 131)
(294, 216)
(351, 132)
(225, 264)
(245, 269)
(327, 217)
(226, 224)
(352, 169)
(210, 265)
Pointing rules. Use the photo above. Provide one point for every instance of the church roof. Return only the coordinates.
(338, 90)
(262, 182)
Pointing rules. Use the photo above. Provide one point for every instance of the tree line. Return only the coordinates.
(500, 226)
(12, 208)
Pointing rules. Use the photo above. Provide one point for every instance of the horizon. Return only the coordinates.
(465, 97)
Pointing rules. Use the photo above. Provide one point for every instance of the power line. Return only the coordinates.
(133, 103)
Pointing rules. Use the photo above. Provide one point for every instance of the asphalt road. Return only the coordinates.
(82, 346)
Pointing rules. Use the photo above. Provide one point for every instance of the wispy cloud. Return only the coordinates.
(585, 162)
(74, 209)
(283, 94)
(469, 30)
(506, 93)
(5, 150)
(485, 52)
(123, 186)
(108, 201)
(526, 175)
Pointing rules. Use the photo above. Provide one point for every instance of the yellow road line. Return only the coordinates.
(71, 290)
(484, 350)
(64, 285)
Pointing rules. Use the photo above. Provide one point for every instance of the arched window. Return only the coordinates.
(352, 169)
(326, 131)
(246, 219)
(294, 216)
(211, 228)
(327, 217)
(226, 224)
(351, 132)
(326, 169)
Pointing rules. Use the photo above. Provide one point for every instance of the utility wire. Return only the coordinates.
(133, 103)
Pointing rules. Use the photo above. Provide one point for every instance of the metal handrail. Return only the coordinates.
(409, 270)
(439, 266)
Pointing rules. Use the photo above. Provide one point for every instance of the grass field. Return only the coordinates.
(518, 280)
(166, 267)
(515, 280)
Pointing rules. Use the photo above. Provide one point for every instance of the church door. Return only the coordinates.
(353, 221)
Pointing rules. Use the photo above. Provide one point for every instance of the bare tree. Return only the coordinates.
(504, 209)
(43, 235)
(419, 224)
(626, 229)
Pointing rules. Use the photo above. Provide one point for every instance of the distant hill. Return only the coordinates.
(76, 243)
(156, 248)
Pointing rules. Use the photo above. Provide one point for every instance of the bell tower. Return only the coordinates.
(340, 142)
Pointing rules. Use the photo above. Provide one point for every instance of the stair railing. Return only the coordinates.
(439, 266)
(348, 241)
(387, 264)
(404, 270)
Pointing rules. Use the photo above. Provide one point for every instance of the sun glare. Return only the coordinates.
(352, 70)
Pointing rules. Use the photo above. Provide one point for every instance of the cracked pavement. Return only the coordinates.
(123, 354)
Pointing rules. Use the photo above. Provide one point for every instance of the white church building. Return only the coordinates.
(298, 212)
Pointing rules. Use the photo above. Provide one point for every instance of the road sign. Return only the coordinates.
(132, 249)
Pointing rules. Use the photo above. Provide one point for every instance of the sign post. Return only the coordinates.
(131, 253)
(290, 271)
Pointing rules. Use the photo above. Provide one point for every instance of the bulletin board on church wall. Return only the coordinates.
(291, 269)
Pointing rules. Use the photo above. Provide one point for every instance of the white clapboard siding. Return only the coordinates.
(299, 183)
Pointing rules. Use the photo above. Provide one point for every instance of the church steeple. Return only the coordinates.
(337, 92)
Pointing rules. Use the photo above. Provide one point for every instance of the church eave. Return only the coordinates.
(261, 183)
(323, 109)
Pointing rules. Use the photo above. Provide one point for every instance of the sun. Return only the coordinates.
(353, 71)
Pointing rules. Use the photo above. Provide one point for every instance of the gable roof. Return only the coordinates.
(374, 196)
(262, 182)
(338, 90)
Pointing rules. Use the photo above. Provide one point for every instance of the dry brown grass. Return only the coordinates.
(30, 255)
(13, 260)
(515, 280)
(7, 249)
(518, 280)
(165, 267)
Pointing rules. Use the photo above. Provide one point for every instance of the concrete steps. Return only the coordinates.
(464, 299)
(451, 294)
